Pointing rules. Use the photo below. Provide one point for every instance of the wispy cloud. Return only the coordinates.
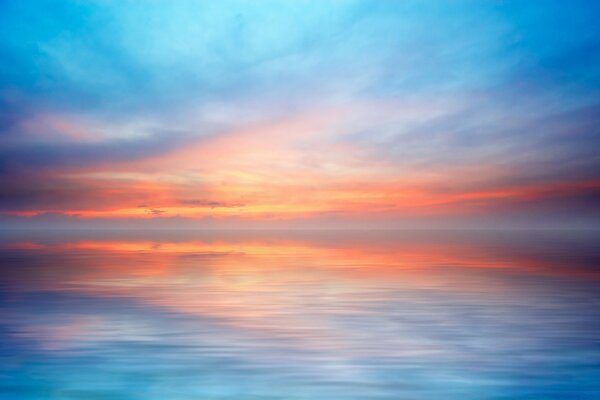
(294, 111)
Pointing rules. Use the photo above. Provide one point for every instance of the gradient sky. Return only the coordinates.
(298, 113)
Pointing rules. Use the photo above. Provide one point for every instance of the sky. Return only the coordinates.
(297, 113)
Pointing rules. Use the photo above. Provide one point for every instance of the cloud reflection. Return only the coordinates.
(345, 318)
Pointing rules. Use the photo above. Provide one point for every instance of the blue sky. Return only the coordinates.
(366, 110)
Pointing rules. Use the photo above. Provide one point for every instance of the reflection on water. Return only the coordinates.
(377, 315)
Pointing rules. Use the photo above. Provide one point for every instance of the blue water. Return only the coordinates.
(304, 315)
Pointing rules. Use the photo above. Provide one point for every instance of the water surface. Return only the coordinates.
(305, 315)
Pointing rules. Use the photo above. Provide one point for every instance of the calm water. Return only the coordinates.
(313, 316)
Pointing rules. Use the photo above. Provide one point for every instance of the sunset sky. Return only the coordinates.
(300, 113)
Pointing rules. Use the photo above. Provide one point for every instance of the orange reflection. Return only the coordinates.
(286, 287)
